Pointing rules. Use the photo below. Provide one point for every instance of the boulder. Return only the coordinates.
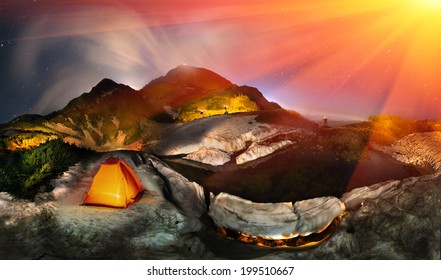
(186, 195)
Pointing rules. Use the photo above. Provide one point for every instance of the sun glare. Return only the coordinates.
(433, 2)
(428, 5)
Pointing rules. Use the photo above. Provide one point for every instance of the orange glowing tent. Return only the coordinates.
(115, 184)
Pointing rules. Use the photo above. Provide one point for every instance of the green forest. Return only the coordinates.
(22, 172)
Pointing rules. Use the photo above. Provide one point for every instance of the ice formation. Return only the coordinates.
(274, 220)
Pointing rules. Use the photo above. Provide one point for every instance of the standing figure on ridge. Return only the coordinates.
(325, 122)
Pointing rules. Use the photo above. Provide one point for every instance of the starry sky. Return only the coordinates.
(342, 58)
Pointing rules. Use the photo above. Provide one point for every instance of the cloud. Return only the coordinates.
(307, 56)
(74, 52)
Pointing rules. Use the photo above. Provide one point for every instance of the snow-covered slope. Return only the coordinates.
(256, 151)
(228, 134)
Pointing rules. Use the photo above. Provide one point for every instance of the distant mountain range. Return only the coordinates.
(114, 115)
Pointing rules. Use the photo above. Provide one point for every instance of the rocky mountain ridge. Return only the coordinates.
(115, 116)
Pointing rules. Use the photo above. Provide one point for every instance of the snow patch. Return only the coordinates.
(5, 198)
(274, 220)
(88, 139)
(169, 110)
(71, 121)
(256, 151)
(61, 128)
(115, 121)
(120, 138)
(210, 156)
(97, 129)
(226, 133)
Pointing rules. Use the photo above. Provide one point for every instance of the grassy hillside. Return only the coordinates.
(225, 102)
(26, 140)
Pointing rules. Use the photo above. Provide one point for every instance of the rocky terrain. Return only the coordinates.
(57, 226)
(260, 171)
(389, 220)
(419, 149)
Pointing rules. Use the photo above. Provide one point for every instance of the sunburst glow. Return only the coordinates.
(432, 2)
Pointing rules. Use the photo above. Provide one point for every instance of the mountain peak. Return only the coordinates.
(105, 85)
(190, 76)
(115, 114)
(184, 70)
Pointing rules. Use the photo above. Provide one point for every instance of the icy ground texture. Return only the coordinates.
(223, 136)
(256, 151)
(274, 220)
(419, 149)
(210, 156)
(390, 220)
(58, 227)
